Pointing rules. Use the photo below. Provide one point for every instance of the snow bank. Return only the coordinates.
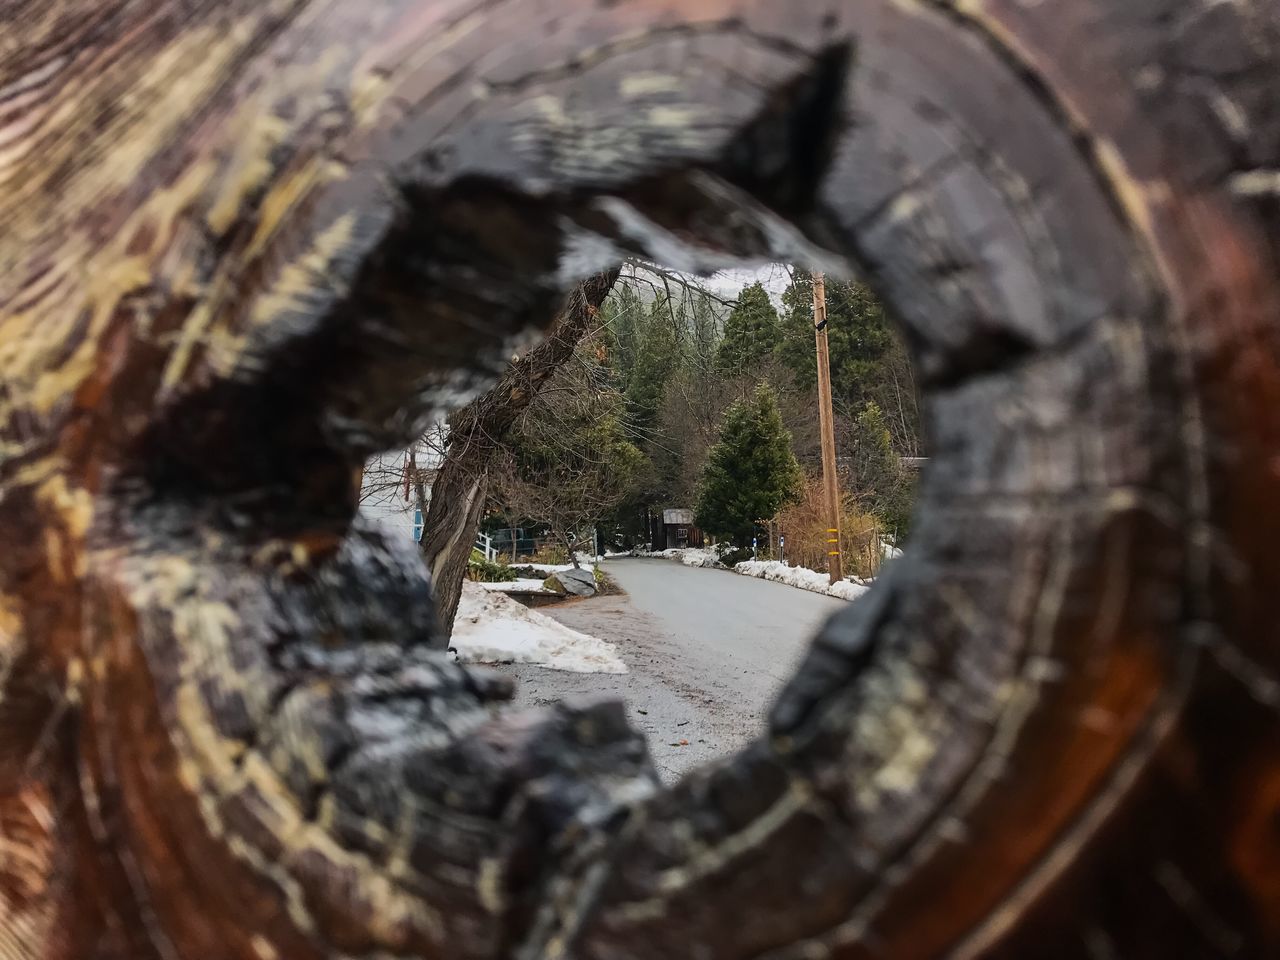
(547, 568)
(506, 586)
(801, 577)
(689, 556)
(776, 570)
(584, 560)
(493, 628)
(699, 558)
(846, 589)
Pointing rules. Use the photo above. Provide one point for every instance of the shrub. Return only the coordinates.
(526, 572)
(804, 524)
(551, 553)
(484, 571)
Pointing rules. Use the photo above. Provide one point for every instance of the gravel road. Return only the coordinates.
(707, 651)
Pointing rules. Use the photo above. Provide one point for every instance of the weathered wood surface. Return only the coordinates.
(244, 244)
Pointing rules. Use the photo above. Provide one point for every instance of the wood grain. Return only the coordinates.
(244, 245)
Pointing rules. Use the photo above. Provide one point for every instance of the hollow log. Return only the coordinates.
(243, 245)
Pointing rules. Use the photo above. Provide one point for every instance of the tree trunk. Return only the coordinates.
(571, 545)
(246, 245)
(475, 438)
(463, 497)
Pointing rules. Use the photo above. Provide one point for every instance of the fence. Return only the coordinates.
(484, 543)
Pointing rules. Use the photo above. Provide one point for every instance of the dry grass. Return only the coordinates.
(551, 553)
(804, 525)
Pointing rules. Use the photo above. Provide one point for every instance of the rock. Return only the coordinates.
(578, 583)
(584, 580)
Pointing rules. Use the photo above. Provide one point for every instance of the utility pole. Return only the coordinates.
(831, 492)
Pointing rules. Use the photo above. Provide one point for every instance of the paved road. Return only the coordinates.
(707, 652)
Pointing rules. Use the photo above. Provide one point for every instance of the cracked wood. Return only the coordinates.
(244, 245)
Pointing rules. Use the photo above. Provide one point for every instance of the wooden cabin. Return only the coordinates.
(675, 528)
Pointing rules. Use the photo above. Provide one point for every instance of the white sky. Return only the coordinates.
(729, 283)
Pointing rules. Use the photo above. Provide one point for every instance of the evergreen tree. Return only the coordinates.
(878, 473)
(657, 356)
(858, 334)
(874, 462)
(751, 470)
(704, 330)
(623, 320)
(868, 362)
(752, 332)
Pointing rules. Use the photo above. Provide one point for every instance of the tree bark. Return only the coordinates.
(475, 437)
(246, 245)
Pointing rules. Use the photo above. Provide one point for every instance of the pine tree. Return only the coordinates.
(874, 461)
(752, 332)
(751, 470)
(704, 334)
(868, 362)
(878, 473)
(622, 319)
(858, 334)
(658, 355)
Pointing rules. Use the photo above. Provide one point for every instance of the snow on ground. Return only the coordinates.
(801, 577)
(506, 586)
(689, 556)
(584, 560)
(493, 628)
